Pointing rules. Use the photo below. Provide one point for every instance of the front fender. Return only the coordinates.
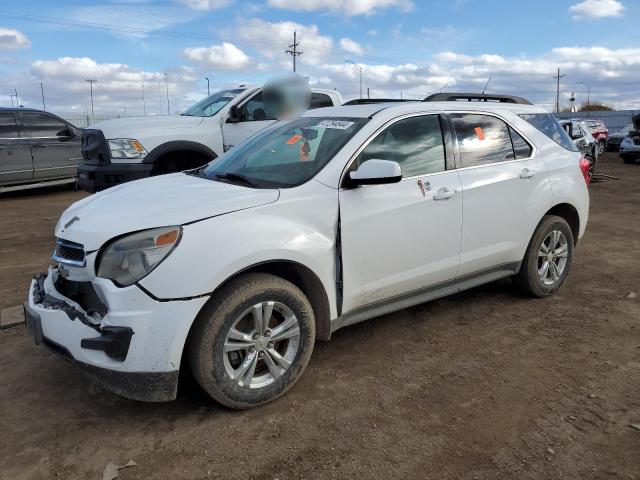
(300, 229)
(178, 146)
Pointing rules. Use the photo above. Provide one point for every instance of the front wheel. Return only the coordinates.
(548, 258)
(252, 341)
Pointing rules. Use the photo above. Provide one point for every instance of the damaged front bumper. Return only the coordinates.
(127, 341)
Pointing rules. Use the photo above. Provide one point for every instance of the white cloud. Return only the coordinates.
(206, 5)
(272, 39)
(118, 86)
(345, 7)
(438, 33)
(224, 57)
(11, 39)
(351, 46)
(596, 9)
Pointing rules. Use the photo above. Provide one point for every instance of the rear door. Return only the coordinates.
(253, 118)
(16, 165)
(399, 238)
(55, 147)
(505, 189)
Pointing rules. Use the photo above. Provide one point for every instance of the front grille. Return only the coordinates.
(69, 253)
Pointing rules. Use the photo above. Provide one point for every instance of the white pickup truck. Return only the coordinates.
(122, 150)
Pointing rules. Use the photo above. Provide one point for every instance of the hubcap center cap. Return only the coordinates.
(261, 343)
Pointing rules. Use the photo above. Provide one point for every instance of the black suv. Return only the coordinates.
(36, 148)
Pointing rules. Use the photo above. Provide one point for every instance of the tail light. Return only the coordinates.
(585, 168)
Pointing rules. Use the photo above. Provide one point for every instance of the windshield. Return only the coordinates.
(286, 155)
(212, 104)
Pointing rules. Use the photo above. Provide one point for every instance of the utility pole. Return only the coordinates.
(144, 104)
(11, 95)
(91, 82)
(359, 68)
(558, 77)
(588, 90)
(166, 84)
(17, 102)
(368, 93)
(293, 50)
(44, 106)
(208, 91)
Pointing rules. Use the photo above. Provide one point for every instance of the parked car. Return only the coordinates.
(36, 148)
(615, 139)
(311, 225)
(121, 150)
(582, 138)
(630, 146)
(598, 129)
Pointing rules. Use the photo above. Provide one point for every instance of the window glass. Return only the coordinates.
(415, 143)
(482, 139)
(286, 154)
(319, 100)
(520, 146)
(8, 127)
(254, 110)
(212, 104)
(547, 124)
(43, 125)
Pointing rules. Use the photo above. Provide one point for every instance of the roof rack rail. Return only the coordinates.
(368, 101)
(475, 97)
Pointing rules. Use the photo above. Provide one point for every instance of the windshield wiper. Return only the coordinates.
(237, 177)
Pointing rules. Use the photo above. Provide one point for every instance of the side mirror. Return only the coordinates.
(67, 134)
(376, 172)
(234, 114)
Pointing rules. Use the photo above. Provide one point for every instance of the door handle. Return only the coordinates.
(526, 173)
(444, 193)
(39, 145)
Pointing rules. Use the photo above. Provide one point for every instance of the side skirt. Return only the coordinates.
(423, 295)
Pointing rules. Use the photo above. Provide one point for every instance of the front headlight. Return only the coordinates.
(128, 259)
(126, 148)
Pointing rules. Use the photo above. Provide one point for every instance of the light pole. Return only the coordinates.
(17, 102)
(166, 84)
(91, 82)
(144, 103)
(360, 70)
(208, 91)
(588, 90)
(44, 106)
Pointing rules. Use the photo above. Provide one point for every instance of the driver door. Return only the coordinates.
(402, 237)
(252, 117)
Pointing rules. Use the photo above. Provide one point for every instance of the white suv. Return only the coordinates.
(234, 270)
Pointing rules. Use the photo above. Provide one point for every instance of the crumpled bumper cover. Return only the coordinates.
(132, 348)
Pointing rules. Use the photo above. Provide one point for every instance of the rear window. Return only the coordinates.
(547, 124)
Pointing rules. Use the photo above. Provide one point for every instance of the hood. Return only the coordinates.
(130, 127)
(173, 199)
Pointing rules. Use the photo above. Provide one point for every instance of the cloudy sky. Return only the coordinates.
(405, 47)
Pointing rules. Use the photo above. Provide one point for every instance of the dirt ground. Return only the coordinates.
(483, 385)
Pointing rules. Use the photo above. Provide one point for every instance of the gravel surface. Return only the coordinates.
(486, 384)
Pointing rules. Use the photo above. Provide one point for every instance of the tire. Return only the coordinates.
(529, 278)
(601, 147)
(234, 311)
(628, 159)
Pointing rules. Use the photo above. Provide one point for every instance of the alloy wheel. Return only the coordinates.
(261, 344)
(552, 257)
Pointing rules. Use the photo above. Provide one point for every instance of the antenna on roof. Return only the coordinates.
(486, 84)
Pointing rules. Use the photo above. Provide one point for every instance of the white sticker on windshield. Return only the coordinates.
(339, 124)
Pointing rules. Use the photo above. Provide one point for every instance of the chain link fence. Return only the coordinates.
(83, 120)
(614, 121)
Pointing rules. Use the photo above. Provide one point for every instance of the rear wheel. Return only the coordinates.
(252, 341)
(548, 258)
(601, 147)
(628, 159)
